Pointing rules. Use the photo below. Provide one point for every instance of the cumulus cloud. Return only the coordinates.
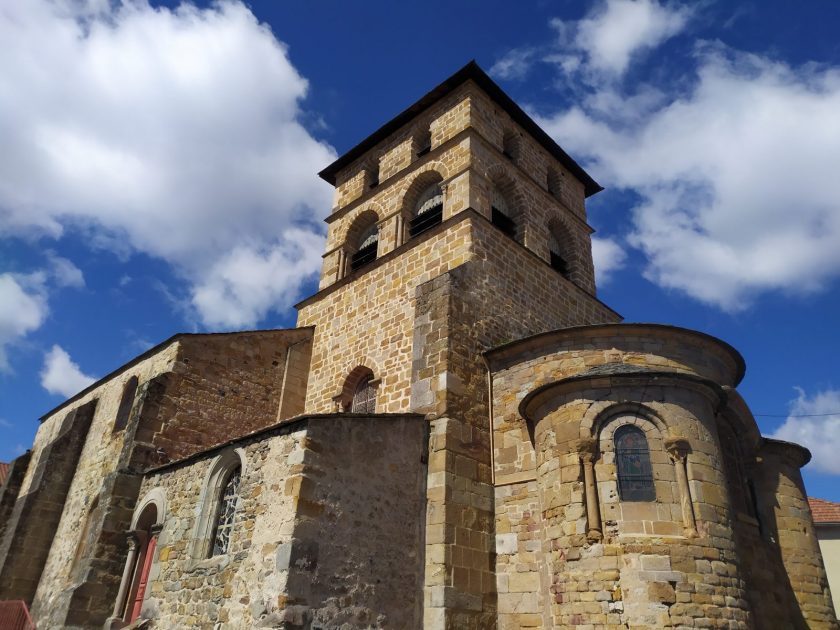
(23, 308)
(61, 375)
(736, 177)
(820, 433)
(615, 31)
(64, 272)
(171, 132)
(513, 65)
(608, 257)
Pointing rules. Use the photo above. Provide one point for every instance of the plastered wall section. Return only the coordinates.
(328, 506)
(829, 538)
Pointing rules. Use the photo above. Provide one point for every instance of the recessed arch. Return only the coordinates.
(423, 201)
(126, 403)
(506, 203)
(358, 392)
(229, 461)
(155, 497)
(362, 241)
(563, 249)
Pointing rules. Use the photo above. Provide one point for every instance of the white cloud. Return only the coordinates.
(513, 65)
(737, 177)
(64, 272)
(608, 257)
(60, 375)
(23, 308)
(172, 132)
(246, 282)
(616, 31)
(821, 433)
(5, 423)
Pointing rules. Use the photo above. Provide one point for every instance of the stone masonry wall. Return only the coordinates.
(328, 506)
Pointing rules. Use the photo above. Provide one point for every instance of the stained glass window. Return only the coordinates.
(632, 457)
(364, 399)
(227, 510)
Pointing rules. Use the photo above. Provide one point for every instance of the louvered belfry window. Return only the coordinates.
(632, 458)
(364, 398)
(227, 510)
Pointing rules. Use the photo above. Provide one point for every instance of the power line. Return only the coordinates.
(797, 415)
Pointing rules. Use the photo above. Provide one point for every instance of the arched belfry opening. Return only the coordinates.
(363, 240)
(423, 203)
(561, 249)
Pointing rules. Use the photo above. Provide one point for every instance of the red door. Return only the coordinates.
(143, 578)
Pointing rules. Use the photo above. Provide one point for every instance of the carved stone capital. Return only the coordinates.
(587, 449)
(678, 447)
(131, 539)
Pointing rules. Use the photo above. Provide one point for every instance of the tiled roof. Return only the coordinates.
(4, 471)
(824, 511)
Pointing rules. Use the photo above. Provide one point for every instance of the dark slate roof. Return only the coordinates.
(474, 72)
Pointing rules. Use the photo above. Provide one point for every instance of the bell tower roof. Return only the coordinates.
(473, 72)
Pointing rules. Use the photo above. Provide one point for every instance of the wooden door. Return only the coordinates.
(143, 578)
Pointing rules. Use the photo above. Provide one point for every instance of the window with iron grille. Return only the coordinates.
(367, 249)
(364, 398)
(632, 458)
(428, 211)
(226, 513)
(558, 261)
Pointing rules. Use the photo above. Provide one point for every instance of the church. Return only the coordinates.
(458, 434)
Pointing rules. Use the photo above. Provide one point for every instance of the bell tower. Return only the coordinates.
(458, 226)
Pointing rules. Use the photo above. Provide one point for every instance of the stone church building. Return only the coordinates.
(457, 434)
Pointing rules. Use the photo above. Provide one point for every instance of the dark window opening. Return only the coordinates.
(558, 263)
(126, 403)
(364, 256)
(510, 145)
(503, 222)
(423, 143)
(428, 219)
(374, 180)
(424, 150)
(632, 458)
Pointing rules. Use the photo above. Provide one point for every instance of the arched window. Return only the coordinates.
(126, 402)
(428, 210)
(502, 213)
(223, 524)
(372, 173)
(364, 397)
(632, 458)
(367, 247)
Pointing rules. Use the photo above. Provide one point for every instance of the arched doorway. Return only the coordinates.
(146, 533)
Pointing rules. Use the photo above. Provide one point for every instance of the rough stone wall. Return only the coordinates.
(11, 487)
(503, 292)
(198, 391)
(35, 517)
(102, 476)
(223, 385)
(786, 511)
(329, 506)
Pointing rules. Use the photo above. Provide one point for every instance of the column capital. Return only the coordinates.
(678, 447)
(586, 448)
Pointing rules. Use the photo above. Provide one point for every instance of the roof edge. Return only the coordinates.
(471, 71)
(152, 351)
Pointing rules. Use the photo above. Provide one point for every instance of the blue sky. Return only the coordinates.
(158, 172)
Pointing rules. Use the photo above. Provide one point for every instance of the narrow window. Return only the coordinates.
(364, 398)
(501, 214)
(126, 403)
(428, 211)
(510, 145)
(224, 516)
(373, 174)
(423, 143)
(558, 261)
(555, 183)
(368, 246)
(632, 457)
